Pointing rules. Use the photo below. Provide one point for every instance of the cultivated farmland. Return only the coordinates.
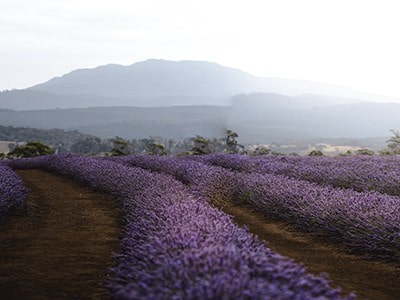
(229, 226)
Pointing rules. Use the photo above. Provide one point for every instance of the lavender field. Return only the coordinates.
(12, 191)
(178, 244)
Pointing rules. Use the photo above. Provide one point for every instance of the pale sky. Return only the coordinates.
(353, 43)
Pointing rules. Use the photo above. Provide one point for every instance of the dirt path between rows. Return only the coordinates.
(369, 279)
(61, 248)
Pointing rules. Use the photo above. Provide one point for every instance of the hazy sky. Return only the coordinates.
(352, 43)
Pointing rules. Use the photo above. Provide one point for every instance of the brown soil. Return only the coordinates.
(62, 247)
(369, 279)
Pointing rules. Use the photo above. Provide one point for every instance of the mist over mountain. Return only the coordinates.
(154, 83)
(152, 79)
(258, 118)
(161, 78)
(268, 117)
(129, 122)
(37, 100)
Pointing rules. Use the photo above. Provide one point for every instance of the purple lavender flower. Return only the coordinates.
(176, 245)
(13, 192)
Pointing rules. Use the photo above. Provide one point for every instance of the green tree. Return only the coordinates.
(347, 153)
(393, 143)
(31, 149)
(231, 142)
(155, 148)
(261, 150)
(201, 146)
(120, 147)
(316, 153)
(365, 152)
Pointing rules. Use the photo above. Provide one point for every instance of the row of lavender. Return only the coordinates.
(367, 223)
(176, 246)
(13, 192)
(361, 173)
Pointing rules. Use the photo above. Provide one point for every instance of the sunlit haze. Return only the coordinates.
(351, 43)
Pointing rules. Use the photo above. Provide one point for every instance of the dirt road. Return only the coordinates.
(61, 249)
(370, 279)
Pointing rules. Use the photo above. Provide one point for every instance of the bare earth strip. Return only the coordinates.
(369, 279)
(62, 248)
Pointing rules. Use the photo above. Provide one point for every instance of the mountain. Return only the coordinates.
(188, 98)
(257, 118)
(128, 122)
(156, 78)
(152, 79)
(266, 117)
(154, 83)
(29, 99)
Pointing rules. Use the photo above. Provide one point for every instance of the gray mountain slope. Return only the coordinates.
(255, 123)
(155, 83)
(156, 78)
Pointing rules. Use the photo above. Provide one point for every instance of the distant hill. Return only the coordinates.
(265, 117)
(36, 100)
(59, 140)
(129, 122)
(258, 118)
(186, 98)
(157, 78)
(154, 83)
(51, 136)
(152, 79)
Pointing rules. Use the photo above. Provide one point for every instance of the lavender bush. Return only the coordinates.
(208, 182)
(361, 173)
(176, 246)
(13, 192)
(367, 223)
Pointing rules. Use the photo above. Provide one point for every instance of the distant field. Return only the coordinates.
(4, 146)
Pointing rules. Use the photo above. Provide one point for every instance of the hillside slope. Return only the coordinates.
(154, 83)
(156, 78)
(257, 118)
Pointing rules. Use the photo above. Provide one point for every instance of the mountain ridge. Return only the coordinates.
(186, 98)
(157, 82)
(155, 78)
(255, 124)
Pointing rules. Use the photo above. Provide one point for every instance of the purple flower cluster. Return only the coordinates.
(360, 173)
(177, 246)
(208, 182)
(13, 192)
(233, 162)
(367, 222)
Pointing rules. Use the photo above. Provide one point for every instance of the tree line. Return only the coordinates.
(26, 142)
